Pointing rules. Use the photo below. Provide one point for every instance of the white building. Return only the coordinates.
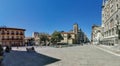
(67, 39)
(96, 34)
(111, 21)
(36, 38)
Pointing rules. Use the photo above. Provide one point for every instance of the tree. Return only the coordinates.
(56, 37)
(43, 37)
(31, 41)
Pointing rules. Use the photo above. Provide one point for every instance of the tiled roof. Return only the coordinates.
(11, 28)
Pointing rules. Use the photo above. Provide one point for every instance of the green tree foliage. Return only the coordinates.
(56, 37)
(43, 37)
(31, 41)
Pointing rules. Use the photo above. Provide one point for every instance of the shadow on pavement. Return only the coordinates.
(24, 58)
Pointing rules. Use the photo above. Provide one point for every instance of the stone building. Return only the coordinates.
(75, 36)
(111, 21)
(68, 37)
(12, 36)
(96, 35)
(36, 38)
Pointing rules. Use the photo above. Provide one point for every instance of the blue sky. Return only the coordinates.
(50, 15)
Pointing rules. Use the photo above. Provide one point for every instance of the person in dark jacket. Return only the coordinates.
(7, 49)
(1, 50)
(1, 53)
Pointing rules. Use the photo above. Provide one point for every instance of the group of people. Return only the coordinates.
(7, 49)
(30, 49)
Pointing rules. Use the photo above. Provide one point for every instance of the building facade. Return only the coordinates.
(75, 36)
(36, 38)
(12, 36)
(68, 37)
(96, 35)
(111, 21)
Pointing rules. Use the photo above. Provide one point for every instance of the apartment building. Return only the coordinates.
(111, 21)
(12, 36)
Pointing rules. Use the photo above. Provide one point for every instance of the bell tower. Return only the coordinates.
(75, 28)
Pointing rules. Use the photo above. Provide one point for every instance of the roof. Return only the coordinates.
(12, 28)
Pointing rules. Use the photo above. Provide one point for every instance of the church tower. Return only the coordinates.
(75, 28)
